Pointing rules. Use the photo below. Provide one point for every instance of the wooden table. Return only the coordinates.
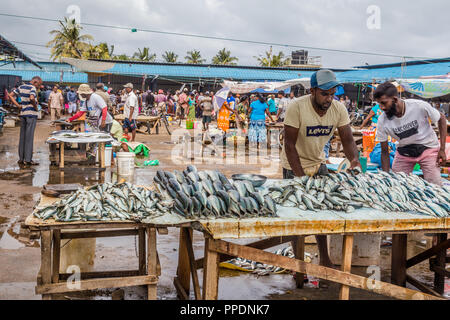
(148, 120)
(51, 280)
(79, 156)
(289, 228)
(75, 125)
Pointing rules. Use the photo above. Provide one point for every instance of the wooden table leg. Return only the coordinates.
(56, 255)
(101, 154)
(347, 248)
(210, 272)
(46, 260)
(299, 250)
(142, 257)
(439, 278)
(398, 259)
(188, 240)
(61, 155)
(151, 263)
(183, 281)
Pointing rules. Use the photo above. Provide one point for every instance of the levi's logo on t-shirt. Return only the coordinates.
(318, 131)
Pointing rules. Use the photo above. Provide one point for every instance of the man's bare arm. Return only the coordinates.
(350, 149)
(385, 159)
(443, 137)
(12, 97)
(290, 139)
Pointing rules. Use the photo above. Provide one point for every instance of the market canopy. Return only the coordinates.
(249, 86)
(426, 88)
(9, 52)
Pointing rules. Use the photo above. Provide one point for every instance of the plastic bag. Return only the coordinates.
(375, 155)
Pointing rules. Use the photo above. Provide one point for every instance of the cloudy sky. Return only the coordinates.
(406, 28)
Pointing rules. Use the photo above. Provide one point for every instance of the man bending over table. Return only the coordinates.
(309, 124)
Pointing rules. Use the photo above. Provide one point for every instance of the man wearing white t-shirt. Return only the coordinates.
(96, 108)
(409, 122)
(130, 111)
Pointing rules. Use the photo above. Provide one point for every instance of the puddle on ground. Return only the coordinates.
(8, 239)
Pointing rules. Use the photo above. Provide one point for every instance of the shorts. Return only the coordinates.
(206, 119)
(127, 124)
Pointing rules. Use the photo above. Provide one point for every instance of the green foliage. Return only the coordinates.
(224, 57)
(170, 57)
(273, 60)
(194, 57)
(68, 41)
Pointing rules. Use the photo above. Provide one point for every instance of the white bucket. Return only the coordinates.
(77, 253)
(366, 249)
(125, 163)
(108, 155)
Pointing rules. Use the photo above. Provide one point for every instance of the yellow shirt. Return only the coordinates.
(314, 131)
(116, 130)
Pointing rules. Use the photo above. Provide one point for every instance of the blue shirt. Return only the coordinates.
(377, 110)
(258, 110)
(71, 96)
(272, 106)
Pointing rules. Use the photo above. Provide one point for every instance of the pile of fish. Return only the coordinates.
(209, 194)
(346, 192)
(263, 269)
(106, 202)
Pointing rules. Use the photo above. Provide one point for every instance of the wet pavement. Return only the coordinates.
(20, 189)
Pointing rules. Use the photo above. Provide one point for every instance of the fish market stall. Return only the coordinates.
(61, 142)
(77, 216)
(309, 213)
(152, 122)
(249, 206)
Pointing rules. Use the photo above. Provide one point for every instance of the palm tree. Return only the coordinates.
(271, 60)
(100, 51)
(121, 57)
(170, 56)
(68, 41)
(224, 57)
(144, 55)
(194, 57)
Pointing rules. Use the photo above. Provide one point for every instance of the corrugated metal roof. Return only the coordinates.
(49, 76)
(187, 72)
(206, 72)
(408, 72)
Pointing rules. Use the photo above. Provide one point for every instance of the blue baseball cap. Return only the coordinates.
(324, 79)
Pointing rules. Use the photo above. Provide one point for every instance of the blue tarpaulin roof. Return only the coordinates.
(182, 71)
(397, 72)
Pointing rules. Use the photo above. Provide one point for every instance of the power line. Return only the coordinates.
(222, 38)
(29, 44)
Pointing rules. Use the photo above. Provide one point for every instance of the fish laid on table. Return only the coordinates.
(262, 269)
(396, 192)
(209, 194)
(106, 202)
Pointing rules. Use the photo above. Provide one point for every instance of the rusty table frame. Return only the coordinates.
(218, 250)
(51, 281)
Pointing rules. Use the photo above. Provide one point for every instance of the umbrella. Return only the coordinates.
(220, 97)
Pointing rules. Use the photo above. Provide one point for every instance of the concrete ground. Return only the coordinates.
(20, 189)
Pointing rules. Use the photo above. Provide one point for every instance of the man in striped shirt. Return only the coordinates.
(28, 115)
